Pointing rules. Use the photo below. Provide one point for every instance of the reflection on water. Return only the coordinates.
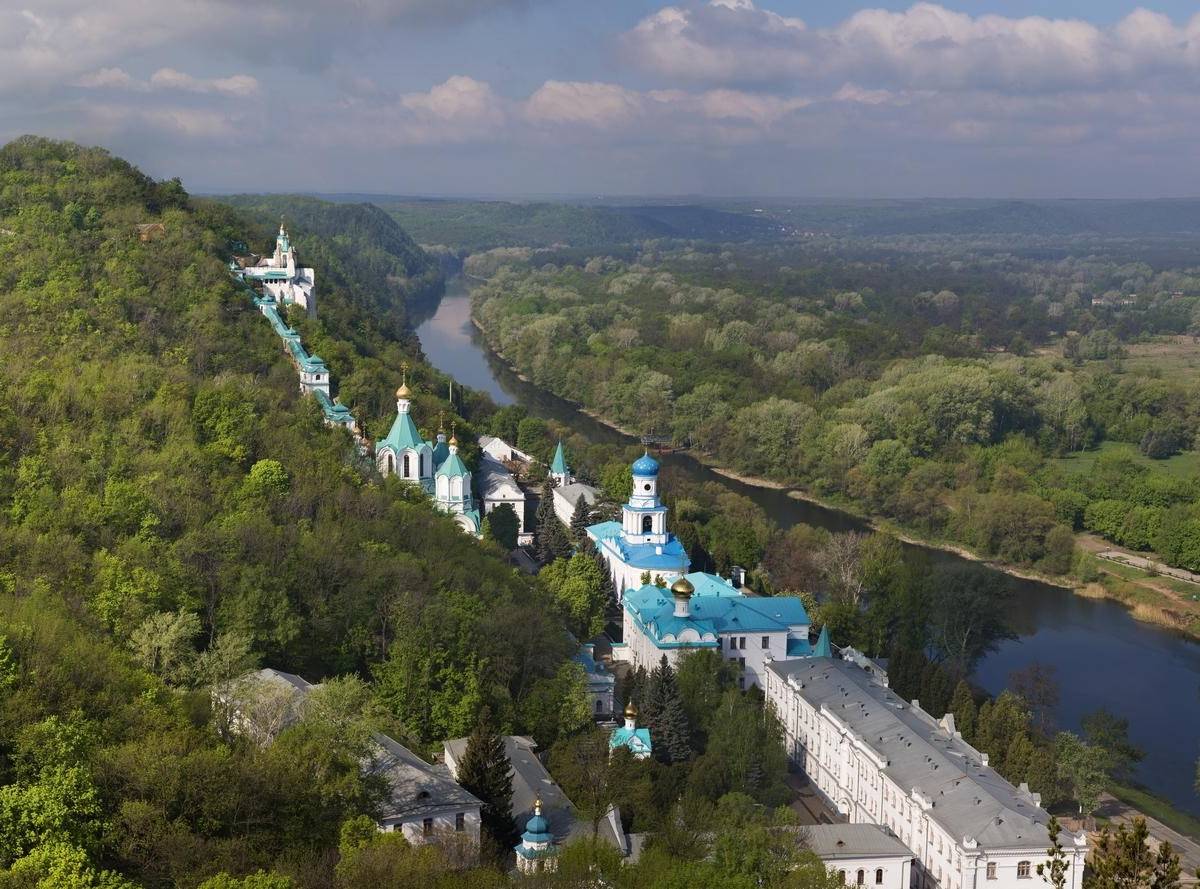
(1103, 657)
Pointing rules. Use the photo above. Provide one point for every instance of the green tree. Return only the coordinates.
(486, 772)
(1111, 733)
(504, 526)
(1123, 859)
(663, 713)
(1056, 868)
(579, 591)
(581, 517)
(1083, 769)
(966, 714)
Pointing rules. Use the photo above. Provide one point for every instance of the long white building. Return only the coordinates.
(881, 760)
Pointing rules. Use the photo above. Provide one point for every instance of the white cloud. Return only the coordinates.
(597, 105)
(924, 47)
(239, 85)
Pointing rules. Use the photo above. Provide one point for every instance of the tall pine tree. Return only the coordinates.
(486, 773)
(665, 716)
(580, 519)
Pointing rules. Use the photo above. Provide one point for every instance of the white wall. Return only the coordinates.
(896, 871)
(444, 827)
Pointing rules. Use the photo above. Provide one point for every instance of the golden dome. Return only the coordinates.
(682, 587)
(403, 391)
(630, 710)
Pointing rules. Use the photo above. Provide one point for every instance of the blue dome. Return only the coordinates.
(538, 825)
(645, 465)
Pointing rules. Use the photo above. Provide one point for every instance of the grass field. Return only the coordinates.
(1185, 465)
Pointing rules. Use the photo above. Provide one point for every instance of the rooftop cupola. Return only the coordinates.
(630, 716)
(682, 592)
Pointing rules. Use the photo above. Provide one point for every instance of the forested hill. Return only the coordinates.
(482, 225)
(357, 247)
(173, 512)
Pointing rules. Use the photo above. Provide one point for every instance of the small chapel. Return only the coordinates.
(433, 465)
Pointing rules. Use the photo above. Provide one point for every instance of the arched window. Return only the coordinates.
(391, 466)
(406, 473)
(599, 706)
(1023, 870)
(421, 460)
(842, 875)
(860, 877)
(991, 870)
(647, 524)
(879, 876)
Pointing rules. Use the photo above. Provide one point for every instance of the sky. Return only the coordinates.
(776, 98)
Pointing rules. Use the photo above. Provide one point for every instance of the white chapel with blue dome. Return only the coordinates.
(697, 610)
(433, 465)
(640, 542)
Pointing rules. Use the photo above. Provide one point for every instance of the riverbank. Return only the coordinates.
(1144, 601)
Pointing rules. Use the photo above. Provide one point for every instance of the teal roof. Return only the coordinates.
(539, 826)
(441, 451)
(452, 467)
(604, 530)
(710, 585)
(653, 609)
(799, 648)
(637, 740)
(823, 648)
(559, 464)
(403, 435)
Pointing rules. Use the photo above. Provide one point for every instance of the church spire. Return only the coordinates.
(823, 648)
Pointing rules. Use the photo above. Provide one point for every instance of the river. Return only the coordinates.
(1101, 655)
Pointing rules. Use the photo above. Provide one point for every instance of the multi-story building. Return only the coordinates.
(703, 611)
(879, 759)
(865, 855)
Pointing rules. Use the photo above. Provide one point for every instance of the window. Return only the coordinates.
(991, 870)
(842, 875)
(742, 662)
(860, 877)
(766, 641)
(1023, 870)
(391, 465)
(460, 822)
(427, 827)
(647, 524)
(406, 473)
(599, 706)
(879, 876)
(741, 642)
(646, 486)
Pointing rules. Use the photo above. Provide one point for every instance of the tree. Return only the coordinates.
(703, 678)
(1038, 687)
(579, 590)
(1054, 870)
(1124, 860)
(486, 772)
(583, 767)
(1083, 770)
(1111, 733)
(164, 645)
(966, 714)
(664, 715)
(580, 518)
(504, 525)
(966, 613)
(553, 542)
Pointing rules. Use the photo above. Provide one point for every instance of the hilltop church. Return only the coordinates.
(282, 278)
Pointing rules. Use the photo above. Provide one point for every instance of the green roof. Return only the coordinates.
(823, 649)
(403, 435)
(453, 466)
(559, 464)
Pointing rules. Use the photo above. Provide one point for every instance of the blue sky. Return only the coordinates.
(720, 97)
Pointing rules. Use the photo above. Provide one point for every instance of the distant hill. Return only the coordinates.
(481, 225)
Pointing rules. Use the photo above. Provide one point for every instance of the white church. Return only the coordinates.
(282, 278)
(435, 466)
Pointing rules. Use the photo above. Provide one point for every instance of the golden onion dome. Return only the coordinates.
(403, 391)
(682, 587)
(630, 710)
(454, 439)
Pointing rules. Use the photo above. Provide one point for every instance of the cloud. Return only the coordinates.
(926, 46)
(239, 85)
(597, 105)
